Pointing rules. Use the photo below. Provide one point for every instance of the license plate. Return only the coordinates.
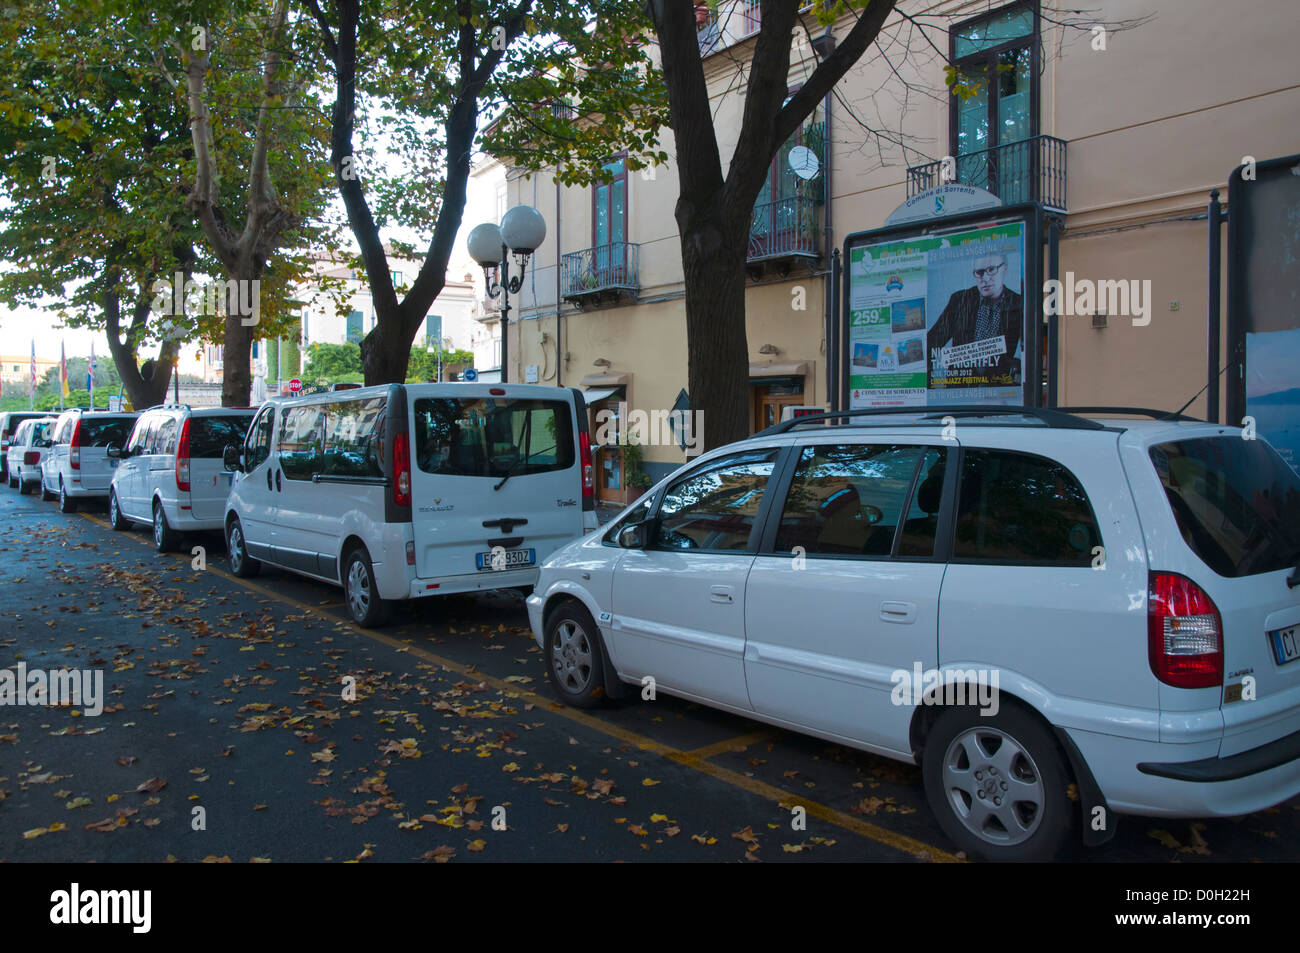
(506, 559)
(1286, 644)
(112, 464)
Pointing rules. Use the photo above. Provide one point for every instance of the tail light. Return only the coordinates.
(1184, 633)
(410, 553)
(4, 439)
(74, 448)
(31, 458)
(402, 470)
(584, 444)
(183, 458)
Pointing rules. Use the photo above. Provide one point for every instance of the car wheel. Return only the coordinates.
(165, 539)
(575, 657)
(367, 608)
(23, 486)
(46, 495)
(998, 784)
(241, 564)
(66, 503)
(13, 482)
(115, 517)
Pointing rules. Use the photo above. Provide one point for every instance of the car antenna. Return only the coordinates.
(1201, 391)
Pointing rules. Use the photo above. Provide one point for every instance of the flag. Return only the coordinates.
(90, 375)
(31, 390)
(63, 373)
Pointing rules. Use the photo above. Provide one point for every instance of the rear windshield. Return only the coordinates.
(490, 437)
(97, 432)
(209, 436)
(1236, 501)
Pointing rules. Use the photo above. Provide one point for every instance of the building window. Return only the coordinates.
(996, 57)
(750, 17)
(354, 327)
(433, 331)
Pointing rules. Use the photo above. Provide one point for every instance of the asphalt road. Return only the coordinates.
(228, 734)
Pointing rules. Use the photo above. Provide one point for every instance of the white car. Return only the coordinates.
(8, 427)
(78, 466)
(411, 490)
(1045, 600)
(29, 443)
(170, 473)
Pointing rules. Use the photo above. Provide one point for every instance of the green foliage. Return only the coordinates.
(423, 365)
(634, 474)
(331, 362)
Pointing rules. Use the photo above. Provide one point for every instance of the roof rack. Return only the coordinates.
(1051, 417)
(1133, 411)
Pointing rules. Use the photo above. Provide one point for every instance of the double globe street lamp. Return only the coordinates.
(522, 230)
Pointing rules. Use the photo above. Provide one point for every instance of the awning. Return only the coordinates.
(788, 369)
(593, 394)
(606, 380)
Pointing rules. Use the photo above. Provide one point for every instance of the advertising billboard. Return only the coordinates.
(939, 318)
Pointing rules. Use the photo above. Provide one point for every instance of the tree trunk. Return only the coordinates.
(142, 393)
(717, 344)
(237, 344)
(386, 352)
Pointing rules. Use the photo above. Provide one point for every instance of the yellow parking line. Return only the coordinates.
(739, 743)
(695, 760)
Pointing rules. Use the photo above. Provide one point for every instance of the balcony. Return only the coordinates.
(781, 234)
(1031, 170)
(603, 275)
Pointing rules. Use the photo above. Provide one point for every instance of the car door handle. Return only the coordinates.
(902, 612)
(277, 481)
(720, 594)
(268, 478)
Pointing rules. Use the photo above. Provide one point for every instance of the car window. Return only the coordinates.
(1025, 509)
(163, 439)
(139, 438)
(354, 438)
(209, 436)
(258, 445)
(917, 535)
(714, 506)
(847, 500)
(1236, 502)
(637, 514)
(301, 430)
(63, 429)
(100, 432)
(493, 436)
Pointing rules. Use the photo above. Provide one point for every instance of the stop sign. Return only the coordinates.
(295, 386)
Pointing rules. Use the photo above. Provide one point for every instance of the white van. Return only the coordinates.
(170, 474)
(78, 466)
(402, 491)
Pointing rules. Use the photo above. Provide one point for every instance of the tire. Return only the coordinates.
(241, 564)
(165, 539)
(366, 607)
(968, 755)
(46, 495)
(23, 486)
(13, 481)
(575, 657)
(66, 503)
(115, 517)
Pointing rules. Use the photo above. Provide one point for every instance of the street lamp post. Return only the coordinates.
(522, 230)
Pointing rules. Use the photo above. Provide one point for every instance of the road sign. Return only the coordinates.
(295, 386)
(469, 374)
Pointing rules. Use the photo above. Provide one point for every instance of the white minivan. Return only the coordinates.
(171, 475)
(408, 490)
(78, 466)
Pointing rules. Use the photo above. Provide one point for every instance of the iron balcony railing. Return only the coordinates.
(784, 227)
(611, 267)
(1029, 170)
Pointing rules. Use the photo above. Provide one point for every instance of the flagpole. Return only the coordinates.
(31, 390)
(90, 374)
(63, 373)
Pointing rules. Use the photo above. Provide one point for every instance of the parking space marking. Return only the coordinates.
(739, 743)
(693, 760)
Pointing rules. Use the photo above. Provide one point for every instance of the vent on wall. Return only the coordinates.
(1099, 319)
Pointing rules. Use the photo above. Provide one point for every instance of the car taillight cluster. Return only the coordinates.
(1184, 633)
(31, 458)
(402, 470)
(74, 448)
(584, 443)
(183, 459)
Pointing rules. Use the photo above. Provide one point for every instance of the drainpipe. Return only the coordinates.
(559, 302)
(824, 45)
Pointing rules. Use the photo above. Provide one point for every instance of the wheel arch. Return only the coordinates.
(558, 597)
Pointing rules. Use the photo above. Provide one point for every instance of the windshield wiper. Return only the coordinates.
(514, 465)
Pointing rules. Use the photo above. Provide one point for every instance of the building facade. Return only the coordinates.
(1118, 121)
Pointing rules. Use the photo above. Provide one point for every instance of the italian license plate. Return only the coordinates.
(1286, 644)
(506, 559)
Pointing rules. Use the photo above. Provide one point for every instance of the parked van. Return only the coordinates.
(402, 491)
(78, 466)
(8, 427)
(170, 474)
(30, 443)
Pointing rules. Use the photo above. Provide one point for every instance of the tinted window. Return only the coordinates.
(1236, 501)
(847, 500)
(209, 436)
(98, 432)
(354, 438)
(258, 447)
(163, 439)
(1019, 508)
(301, 429)
(714, 506)
(637, 514)
(922, 523)
(490, 437)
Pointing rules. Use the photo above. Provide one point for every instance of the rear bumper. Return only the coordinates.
(480, 582)
(1275, 754)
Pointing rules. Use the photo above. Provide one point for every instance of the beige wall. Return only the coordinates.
(1153, 122)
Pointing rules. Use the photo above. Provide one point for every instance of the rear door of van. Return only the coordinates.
(492, 466)
(208, 436)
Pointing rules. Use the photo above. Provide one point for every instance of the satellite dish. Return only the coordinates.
(804, 162)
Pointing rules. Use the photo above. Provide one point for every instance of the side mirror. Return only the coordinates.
(230, 458)
(633, 537)
(115, 453)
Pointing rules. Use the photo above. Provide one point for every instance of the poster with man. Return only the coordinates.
(977, 338)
